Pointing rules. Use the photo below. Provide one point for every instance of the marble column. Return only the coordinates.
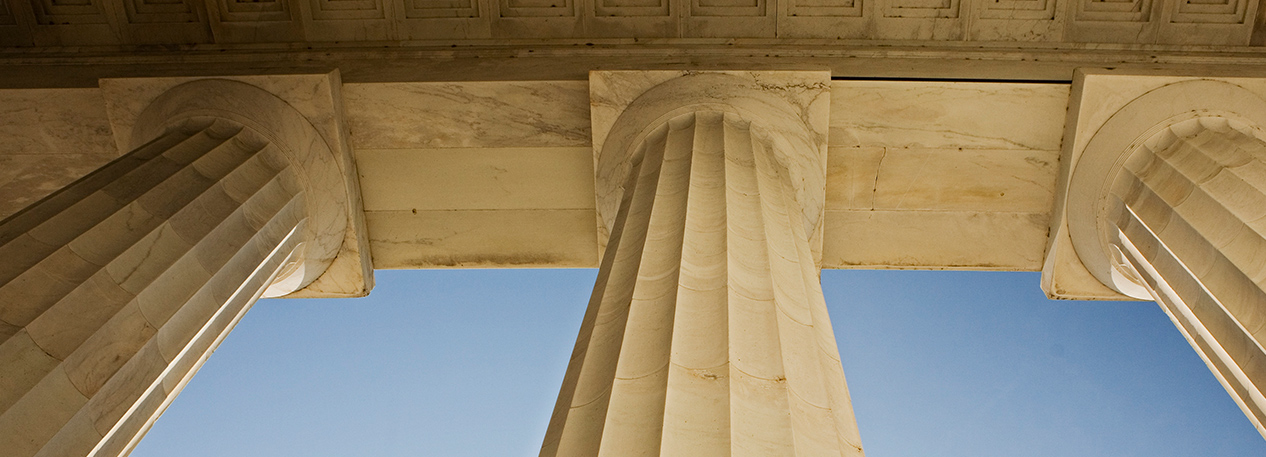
(114, 290)
(707, 333)
(1185, 217)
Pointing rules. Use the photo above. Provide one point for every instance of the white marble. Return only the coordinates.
(158, 253)
(26, 178)
(316, 97)
(476, 178)
(1126, 105)
(51, 138)
(542, 238)
(1161, 197)
(54, 121)
(468, 114)
(950, 115)
(707, 333)
(918, 179)
(387, 24)
(793, 107)
(935, 240)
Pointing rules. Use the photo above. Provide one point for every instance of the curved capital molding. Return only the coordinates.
(788, 110)
(284, 127)
(1172, 110)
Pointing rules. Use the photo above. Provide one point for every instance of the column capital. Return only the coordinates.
(788, 109)
(1112, 115)
(300, 114)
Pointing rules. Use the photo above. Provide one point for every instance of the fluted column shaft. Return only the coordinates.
(114, 290)
(1186, 216)
(707, 333)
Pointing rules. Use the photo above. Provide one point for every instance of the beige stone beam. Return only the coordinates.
(115, 289)
(502, 60)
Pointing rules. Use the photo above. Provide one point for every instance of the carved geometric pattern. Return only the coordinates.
(159, 11)
(347, 9)
(1018, 9)
(922, 8)
(58, 12)
(631, 8)
(537, 8)
(254, 10)
(440, 8)
(727, 7)
(834, 8)
(1115, 10)
(1211, 11)
(6, 14)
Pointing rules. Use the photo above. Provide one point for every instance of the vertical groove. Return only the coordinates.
(636, 413)
(759, 418)
(697, 407)
(121, 220)
(1188, 215)
(707, 333)
(1208, 326)
(559, 419)
(1206, 261)
(176, 245)
(581, 435)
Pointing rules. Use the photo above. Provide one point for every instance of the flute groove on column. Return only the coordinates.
(707, 333)
(116, 288)
(1187, 215)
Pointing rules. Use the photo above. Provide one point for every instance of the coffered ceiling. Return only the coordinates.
(391, 23)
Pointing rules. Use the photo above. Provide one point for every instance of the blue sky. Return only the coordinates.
(468, 363)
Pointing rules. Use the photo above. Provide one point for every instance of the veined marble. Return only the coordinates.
(793, 107)
(537, 238)
(950, 115)
(468, 114)
(1162, 195)
(26, 178)
(51, 138)
(707, 333)
(54, 121)
(918, 179)
(476, 179)
(314, 96)
(935, 240)
(1099, 98)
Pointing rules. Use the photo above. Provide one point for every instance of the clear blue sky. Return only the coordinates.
(468, 363)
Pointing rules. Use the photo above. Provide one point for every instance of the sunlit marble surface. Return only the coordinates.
(941, 175)
(907, 151)
(792, 106)
(317, 98)
(468, 115)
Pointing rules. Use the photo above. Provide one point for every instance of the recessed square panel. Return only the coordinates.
(727, 7)
(62, 12)
(440, 8)
(1114, 10)
(537, 8)
(1211, 11)
(1018, 9)
(6, 14)
(159, 11)
(828, 8)
(631, 8)
(922, 8)
(347, 9)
